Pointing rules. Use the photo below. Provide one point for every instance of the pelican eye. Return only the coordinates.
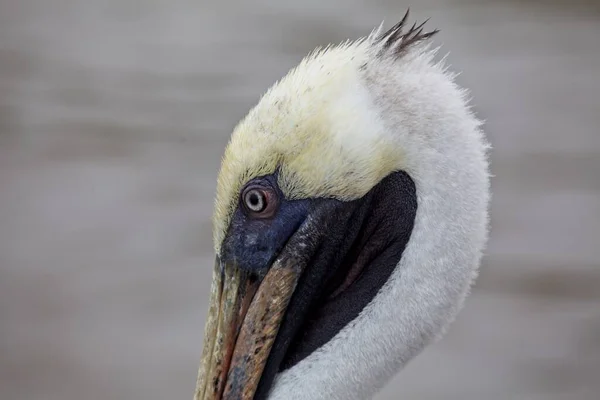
(259, 201)
(255, 200)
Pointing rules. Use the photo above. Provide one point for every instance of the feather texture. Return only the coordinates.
(338, 123)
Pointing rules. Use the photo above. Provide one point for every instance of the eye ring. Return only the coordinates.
(259, 201)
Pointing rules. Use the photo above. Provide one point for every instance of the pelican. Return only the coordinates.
(350, 218)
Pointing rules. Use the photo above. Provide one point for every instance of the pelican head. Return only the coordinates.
(351, 214)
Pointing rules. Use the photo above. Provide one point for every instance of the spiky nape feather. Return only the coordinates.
(396, 41)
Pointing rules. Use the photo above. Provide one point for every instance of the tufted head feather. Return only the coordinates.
(320, 127)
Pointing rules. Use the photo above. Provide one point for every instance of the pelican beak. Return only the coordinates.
(245, 312)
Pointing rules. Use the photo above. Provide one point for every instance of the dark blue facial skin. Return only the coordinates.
(252, 243)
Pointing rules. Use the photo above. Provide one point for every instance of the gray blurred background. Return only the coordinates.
(113, 118)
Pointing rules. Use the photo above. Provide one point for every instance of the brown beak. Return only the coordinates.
(245, 314)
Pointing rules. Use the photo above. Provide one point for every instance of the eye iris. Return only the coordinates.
(255, 201)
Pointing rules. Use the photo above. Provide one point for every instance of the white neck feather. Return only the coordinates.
(444, 152)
